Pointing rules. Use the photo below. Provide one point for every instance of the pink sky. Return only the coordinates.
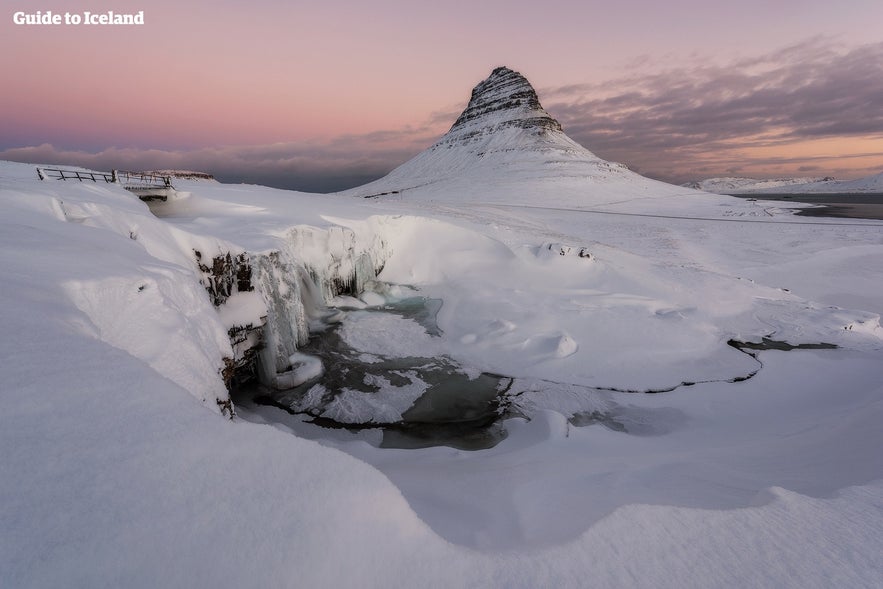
(219, 83)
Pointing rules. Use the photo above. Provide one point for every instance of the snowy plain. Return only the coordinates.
(574, 277)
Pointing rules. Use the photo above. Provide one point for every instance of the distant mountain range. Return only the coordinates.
(827, 185)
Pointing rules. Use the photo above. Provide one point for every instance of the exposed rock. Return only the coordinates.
(184, 174)
(560, 249)
(504, 99)
(247, 342)
(225, 273)
(504, 127)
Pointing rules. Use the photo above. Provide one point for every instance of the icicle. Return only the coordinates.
(298, 281)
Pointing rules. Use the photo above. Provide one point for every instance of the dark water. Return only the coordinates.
(849, 206)
(771, 344)
(455, 410)
(817, 198)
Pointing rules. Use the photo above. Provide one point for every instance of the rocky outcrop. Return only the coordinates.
(183, 174)
(504, 99)
(226, 275)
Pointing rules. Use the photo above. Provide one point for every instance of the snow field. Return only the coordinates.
(118, 476)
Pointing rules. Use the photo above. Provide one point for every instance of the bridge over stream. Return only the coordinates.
(145, 185)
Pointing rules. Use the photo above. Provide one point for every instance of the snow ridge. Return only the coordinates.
(819, 185)
(730, 185)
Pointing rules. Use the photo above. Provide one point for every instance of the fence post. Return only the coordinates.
(114, 177)
(40, 174)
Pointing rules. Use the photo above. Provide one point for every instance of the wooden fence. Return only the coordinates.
(145, 185)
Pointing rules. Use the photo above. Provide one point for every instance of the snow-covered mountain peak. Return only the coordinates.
(505, 98)
(503, 137)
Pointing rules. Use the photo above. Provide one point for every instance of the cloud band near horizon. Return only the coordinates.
(816, 107)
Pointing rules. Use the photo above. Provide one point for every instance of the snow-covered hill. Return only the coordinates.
(505, 139)
(736, 185)
(572, 281)
(870, 184)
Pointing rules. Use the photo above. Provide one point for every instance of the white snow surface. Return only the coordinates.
(869, 184)
(762, 472)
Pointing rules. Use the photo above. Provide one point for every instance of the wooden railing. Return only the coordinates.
(60, 174)
(129, 180)
(142, 180)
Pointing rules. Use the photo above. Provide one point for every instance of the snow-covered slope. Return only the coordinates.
(94, 255)
(870, 184)
(506, 139)
(737, 185)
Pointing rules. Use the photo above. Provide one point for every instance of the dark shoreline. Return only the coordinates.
(848, 206)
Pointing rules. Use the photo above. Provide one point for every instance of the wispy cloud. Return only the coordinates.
(754, 116)
(671, 121)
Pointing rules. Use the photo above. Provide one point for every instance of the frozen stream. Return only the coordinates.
(378, 373)
(382, 370)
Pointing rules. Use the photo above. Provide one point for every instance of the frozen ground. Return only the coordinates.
(113, 473)
(576, 278)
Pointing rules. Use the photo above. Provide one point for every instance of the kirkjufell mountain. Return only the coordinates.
(504, 99)
(505, 138)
